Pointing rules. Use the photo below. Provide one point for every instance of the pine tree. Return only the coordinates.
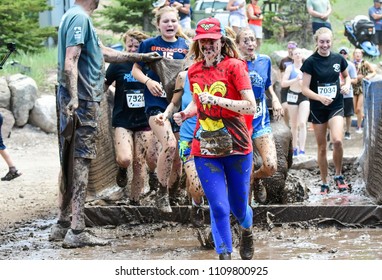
(19, 23)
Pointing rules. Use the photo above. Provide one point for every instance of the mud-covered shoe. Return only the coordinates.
(225, 256)
(121, 177)
(82, 239)
(324, 189)
(246, 244)
(197, 215)
(162, 202)
(58, 232)
(341, 184)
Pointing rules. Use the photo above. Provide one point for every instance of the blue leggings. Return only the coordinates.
(226, 181)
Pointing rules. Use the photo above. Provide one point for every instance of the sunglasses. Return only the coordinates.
(343, 52)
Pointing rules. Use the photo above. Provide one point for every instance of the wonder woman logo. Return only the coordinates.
(207, 27)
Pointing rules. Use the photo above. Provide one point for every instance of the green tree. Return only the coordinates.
(125, 14)
(287, 20)
(19, 23)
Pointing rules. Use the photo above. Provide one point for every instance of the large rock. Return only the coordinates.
(23, 96)
(43, 114)
(8, 122)
(5, 94)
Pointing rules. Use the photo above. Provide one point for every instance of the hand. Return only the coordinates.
(160, 118)
(207, 98)
(345, 89)
(72, 106)
(179, 118)
(154, 87)
(278, 111)
(151, 56)
(325, 100)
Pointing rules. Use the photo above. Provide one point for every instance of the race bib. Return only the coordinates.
(328, 90)
(164, 94)
(135, 98)
(259, 109)
(292, 97)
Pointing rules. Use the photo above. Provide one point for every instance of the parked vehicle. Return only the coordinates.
(210, 8)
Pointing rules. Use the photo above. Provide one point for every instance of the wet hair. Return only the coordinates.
(241, 32)
(229, 49)
(135, 34)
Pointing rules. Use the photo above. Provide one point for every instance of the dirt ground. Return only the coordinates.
(28, 208)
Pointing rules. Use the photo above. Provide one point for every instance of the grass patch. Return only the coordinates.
(37, 66)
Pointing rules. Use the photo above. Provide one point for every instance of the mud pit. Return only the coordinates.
(28, 209)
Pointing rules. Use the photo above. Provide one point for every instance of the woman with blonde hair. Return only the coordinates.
(221, 146)
(321, 84)
(169, 46)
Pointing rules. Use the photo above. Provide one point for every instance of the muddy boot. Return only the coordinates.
(225, 256)
(177, 194)
(197, 215)
(82, 239)
(162, 200)
(153, 182)
(58, 231)
(122, 177)
(246, 244)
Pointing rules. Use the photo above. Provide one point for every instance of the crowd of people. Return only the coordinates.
(217, 115)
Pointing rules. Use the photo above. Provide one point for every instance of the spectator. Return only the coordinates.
(13, 173)
(255, 21)
(320, 11)
(348, 98)
(184, 9)
(364, 71)
(298, 104)
(81, 60)
(321, 84)
(237, 15)
(375, 14)
(222, 145)
(284, 90)
(134, 142)
(170, 46)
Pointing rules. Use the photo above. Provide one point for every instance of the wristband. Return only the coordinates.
(147, 81)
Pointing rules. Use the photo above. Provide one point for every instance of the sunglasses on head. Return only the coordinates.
(343, 52)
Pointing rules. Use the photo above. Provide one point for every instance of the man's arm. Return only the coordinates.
(113, 56)
(72, 56)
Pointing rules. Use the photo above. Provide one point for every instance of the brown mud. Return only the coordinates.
(28, 207)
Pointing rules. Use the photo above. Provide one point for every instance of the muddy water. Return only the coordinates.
(172, 241)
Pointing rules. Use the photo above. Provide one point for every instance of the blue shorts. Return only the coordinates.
(264, 131)
(86, 132)
(185, 151)
(2, 146)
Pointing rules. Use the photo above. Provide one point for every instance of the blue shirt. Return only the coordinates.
(377, 23)
(170, 50)
(188, 126)
(260, 75)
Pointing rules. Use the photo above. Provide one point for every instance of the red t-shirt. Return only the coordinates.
(256, 11)
(219, 131)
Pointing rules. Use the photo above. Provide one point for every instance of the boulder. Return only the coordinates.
(8, 122)
(43, 114)
(23, 97)
(5, 94)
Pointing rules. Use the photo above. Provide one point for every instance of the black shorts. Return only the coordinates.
(153, 111)
(300, 98)
(348, 107)
(283, 95)
(320, 114)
